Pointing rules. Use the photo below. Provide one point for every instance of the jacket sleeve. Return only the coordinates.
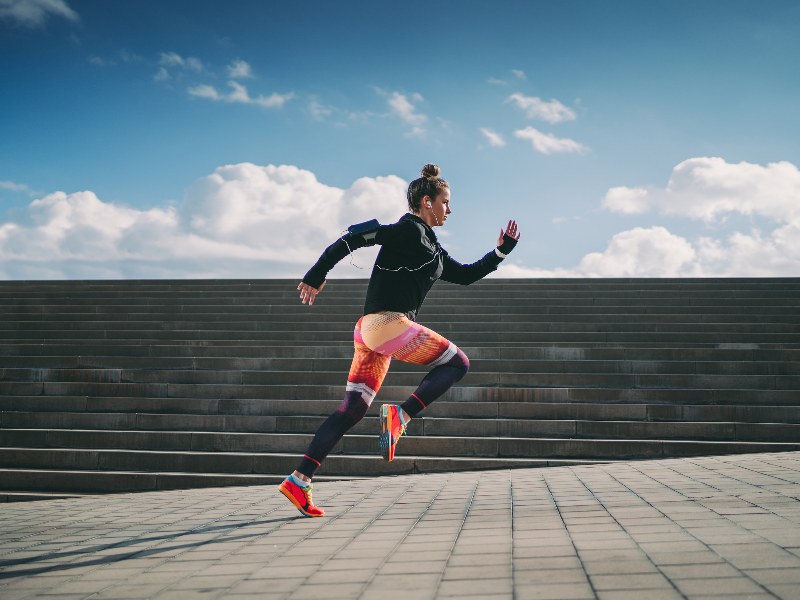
(333, 254)
(455, 272)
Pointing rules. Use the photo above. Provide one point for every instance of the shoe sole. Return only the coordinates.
(385, 441)
(297, 505)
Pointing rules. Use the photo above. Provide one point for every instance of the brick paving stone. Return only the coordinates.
(715, 527)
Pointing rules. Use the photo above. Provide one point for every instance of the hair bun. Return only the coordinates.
(430, 170)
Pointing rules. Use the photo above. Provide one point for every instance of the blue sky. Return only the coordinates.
(138, 102)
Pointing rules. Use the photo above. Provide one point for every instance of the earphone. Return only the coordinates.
(428, 204)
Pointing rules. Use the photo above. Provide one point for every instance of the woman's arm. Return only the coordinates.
(455, 272)
(314, 280)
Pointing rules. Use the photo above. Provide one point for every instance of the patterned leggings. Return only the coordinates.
(378, 338)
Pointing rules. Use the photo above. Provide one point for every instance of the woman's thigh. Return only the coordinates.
(394, 334)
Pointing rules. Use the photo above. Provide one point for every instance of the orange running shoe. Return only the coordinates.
(301, 498)
(391, 430)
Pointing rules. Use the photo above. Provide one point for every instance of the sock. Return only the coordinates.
(298, 481)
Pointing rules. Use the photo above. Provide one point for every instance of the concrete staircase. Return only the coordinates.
(134, 385)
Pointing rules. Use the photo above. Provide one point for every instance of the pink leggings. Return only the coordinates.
(378, 338)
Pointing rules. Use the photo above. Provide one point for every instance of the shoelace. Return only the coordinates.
(307, 492)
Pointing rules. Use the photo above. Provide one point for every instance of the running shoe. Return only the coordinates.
(391, 430)
(301, 498)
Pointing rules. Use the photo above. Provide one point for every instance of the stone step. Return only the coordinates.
(273, 464)
(233, 394)
(37, 482)
(229, 384)
(474, 321)
(356, 300)
(33, 496)
(69, 411)
(175, 369)
(351, 313)
(116, 351)
(14, 423)
(125, 328)
(438, 292)
(552, 446)
(497, 282)
(462, 339)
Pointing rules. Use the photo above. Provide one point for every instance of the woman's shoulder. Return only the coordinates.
(407, 227)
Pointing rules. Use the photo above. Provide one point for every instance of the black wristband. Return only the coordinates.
(507, 245)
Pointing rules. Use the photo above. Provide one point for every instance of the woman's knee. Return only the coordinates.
(461, 362)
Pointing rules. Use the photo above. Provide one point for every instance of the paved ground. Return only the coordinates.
(714, 527)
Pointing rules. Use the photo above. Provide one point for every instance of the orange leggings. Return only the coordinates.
(378, 338)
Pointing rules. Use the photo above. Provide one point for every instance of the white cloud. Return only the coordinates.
(495, 139)
(655, 252)
(519, 74)
(707, 188)
(173, 59)
(239, 94)
(416, 132)
(319, 111)
(548, 143)
(704, 189)
(401, 106)
(239, 69)
(162, 75)
(405, 110)
(33, 13)
(96, 60)
(204, 91)
(536, 108)
(241, 221)
(16, 187)
(129, 56)
(496, 81)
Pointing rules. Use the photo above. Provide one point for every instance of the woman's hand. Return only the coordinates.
(309, 293)
(511, 231)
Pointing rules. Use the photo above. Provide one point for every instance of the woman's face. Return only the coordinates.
(441, 207)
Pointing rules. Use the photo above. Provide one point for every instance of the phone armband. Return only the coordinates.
(368, 229)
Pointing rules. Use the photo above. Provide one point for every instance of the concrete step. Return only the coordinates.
(175, 369)
(33, 496)
(261, 384)
(127, 392)
(438, 292)
(113, 328)
(355, 300)
(284, 321)
(16, 423)
(79, 354)
(611, 443)
(69, 411)
(37, 482)
(351, 313)
(344, 337)
(276, 465)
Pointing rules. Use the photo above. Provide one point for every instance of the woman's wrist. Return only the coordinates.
(507, 246)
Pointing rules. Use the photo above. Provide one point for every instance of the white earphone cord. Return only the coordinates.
(350, 252)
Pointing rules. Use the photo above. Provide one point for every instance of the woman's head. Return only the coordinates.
(429, 184)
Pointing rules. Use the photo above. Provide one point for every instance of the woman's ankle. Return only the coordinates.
(405, 416)
(299, 475)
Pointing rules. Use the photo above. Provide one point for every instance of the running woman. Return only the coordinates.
(408, 264)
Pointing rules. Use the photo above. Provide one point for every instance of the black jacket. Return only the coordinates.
(409, 263)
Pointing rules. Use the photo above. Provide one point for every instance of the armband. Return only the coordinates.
(507, 245)
(368, 230)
